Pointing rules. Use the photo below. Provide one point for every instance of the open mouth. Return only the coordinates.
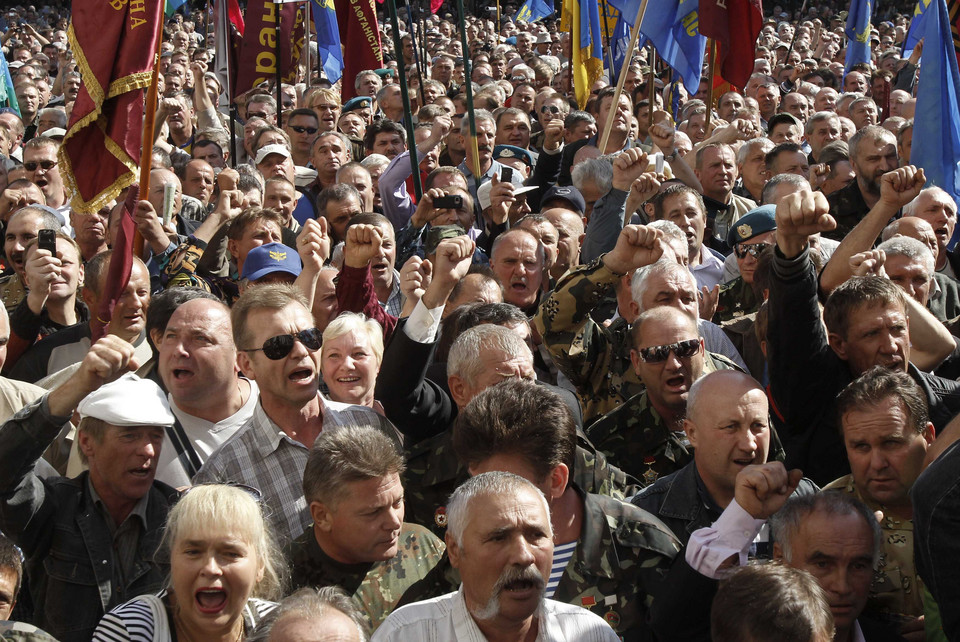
(141, 473)
(348, 379)
(300, 375)
(677, 384)
(210, 600)
(181, 374)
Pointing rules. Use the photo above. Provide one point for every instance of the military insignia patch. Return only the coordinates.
(745, 231)
(588, 601)
(612, 618)
(440, 517)
(278, 256)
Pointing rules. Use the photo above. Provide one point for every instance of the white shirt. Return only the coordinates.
(446, 618)
(205, 436)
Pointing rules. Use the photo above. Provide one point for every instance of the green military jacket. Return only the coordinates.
(12, 292)
(374, 587)
(736, 299)
(621, 559)
(635, 439)
(434, 472)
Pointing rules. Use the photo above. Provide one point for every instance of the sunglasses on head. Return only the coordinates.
(31, 166)
(659, 354)
(753, 250)
(278, 347)
(304, 130)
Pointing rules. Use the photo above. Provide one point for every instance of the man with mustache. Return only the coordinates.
(500, 539)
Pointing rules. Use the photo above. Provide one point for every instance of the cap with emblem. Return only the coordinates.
(754, 223)
(269, 258)
(512, 151)
(266, 150)
(128, 401)
(384, 72)
(358, 102)
(571, 195)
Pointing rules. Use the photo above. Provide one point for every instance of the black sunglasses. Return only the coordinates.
(278, 347)
(553, 109)
(659, 354)
(31, 166)
(304, 130)
(753, 250)
(257, 114)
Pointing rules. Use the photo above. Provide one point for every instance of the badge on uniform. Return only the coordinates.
(745, 231)
(650, 475)
(612, 618)
(440, 517)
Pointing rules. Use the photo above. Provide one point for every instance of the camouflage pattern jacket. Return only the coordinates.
(595, 358)
(621, 559)
(635, 438)
(434, 472)
(376, 587)
(736, 299)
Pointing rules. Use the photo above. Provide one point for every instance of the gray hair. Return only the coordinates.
(478, 115)
(598, 170)
(375, 160)
(48, 220)
(786, 522)
(935, 192)
(311, 604)
(872, 133)
(670, 230)
(492, 483)
(819, 117)
(348, 322)
(770, 186)
(54, 112)
(663, 267)
(747, 148)
(464, 358)
(910, 248)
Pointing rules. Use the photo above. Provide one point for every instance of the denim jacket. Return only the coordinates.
(65, 538)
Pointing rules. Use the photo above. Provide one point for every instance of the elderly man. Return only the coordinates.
(517, 259)
(321, 615)
(752, 168)
(197, 363)
(822, 128)
(886, 431)
(278, 345)
(716, 169)
(938, 209)
(105, 524)
(500, 539)
(873, 153)
(867, 324)
(359, 541)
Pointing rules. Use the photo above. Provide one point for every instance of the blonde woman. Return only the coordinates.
(350, 359)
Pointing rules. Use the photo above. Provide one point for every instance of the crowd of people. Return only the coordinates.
(698, 384)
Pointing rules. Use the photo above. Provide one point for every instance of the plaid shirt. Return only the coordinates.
(261, 455)
(395, 301)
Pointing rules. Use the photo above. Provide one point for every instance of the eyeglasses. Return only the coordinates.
(659, 354)
(754, 250)
(518, 78)
(257, 114)
(278, 347)
(304, 130)
(31, 166)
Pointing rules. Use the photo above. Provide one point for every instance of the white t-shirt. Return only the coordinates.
(205, 436)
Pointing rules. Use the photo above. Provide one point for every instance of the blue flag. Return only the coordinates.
(672, 27)
(916, 28)
(172, 6)
(533, 10)
(619, 41)
(328, 38)
(937, 117)
(8, 97)
(858, 33)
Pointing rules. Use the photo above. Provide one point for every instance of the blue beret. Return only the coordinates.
(512, 151)
(357, 103)
(754, 223)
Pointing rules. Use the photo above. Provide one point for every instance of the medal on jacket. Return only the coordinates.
(650, 475)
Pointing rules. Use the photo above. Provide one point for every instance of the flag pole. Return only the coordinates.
(634, 36)
(308, 8)
(651, 87)
(146, 148)
(277, 6)
(606, 33)
(416, 55)
(471, 117)
(710, 73)
(796, 32)
(407, 111)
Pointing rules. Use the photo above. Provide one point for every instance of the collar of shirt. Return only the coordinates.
(139, 509)
(270, 434)
(856, 635)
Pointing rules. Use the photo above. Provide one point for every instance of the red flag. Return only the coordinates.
(435, 6)
(734, 25)
(115, 44)
(258, 54)
(236, 16)
(360, 36)
(121, 264)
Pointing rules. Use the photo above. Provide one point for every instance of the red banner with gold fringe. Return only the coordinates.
(115, 43)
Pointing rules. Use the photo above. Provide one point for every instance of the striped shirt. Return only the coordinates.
(561, 557)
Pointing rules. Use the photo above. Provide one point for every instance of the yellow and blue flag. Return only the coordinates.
(673, 28)
(916, 28)
(533, 10)
(8, 97)
(937, 116)
(858, 34)
(583, 16)
(328, 38)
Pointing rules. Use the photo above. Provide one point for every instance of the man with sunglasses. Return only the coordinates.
(302, 126)
(40, 161)
(278, 345)
(751, 235)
